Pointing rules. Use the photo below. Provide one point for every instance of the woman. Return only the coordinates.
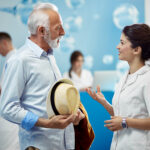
(81, 78)
(130, 109)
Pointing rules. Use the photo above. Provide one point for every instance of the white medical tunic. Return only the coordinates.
(132, 100)
(83, 81)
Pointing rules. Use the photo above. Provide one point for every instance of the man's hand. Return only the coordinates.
(58, 122)
(79, 117)
(114, 124)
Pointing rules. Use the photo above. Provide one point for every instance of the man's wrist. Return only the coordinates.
(42, 122)
(29, 121)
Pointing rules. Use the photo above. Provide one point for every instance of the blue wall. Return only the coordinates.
(89, 24)
(97, 115)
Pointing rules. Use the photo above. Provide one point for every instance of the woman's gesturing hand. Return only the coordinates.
(97, 96)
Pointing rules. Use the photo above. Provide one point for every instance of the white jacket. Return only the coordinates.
(132, 99)
(84, 81)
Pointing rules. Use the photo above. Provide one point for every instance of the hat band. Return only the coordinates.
(52, 98)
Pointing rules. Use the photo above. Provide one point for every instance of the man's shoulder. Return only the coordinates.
(20, 55)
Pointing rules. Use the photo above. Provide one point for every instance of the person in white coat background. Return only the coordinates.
(81, 78)
(8, 131)
(130, 109)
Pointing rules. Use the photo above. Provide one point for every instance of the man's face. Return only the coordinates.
(55, 31)
(3, 47)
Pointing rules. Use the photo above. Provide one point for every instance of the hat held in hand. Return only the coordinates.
(63, 98)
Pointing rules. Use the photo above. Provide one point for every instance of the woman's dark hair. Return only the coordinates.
(139, 35)
(73, 58)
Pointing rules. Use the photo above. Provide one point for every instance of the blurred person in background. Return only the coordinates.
(8, 131)
(81, 78)
(6, 50)
(130, 109)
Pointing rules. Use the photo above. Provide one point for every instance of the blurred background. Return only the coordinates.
(93, 27)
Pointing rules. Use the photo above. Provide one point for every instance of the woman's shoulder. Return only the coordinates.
(86, 71)
(147, 75)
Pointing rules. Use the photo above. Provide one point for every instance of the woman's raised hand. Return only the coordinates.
(98, 96)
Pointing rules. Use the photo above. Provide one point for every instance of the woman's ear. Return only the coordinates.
(137, 50)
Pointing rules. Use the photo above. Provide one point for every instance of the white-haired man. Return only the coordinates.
(30, 73)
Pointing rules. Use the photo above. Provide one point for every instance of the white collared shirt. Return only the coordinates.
(132, 100)
(12, 52)
(28, 77)
(8, 131)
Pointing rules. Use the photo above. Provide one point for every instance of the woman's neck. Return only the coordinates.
(77, 71)
(135, 65)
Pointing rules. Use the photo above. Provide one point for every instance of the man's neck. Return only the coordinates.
(9, 50)
(40, 42)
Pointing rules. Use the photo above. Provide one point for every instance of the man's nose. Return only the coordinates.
(62, 32)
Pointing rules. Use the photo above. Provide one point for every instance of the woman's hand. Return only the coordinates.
(101, 99)
(97, 96)
(114, 124)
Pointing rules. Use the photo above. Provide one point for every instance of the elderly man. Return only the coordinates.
(28, 77)
(8, 131)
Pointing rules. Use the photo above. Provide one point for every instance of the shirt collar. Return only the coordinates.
(38, 51)
(142, 70)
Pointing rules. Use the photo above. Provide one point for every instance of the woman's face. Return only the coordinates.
(77, 65)
(126, 52)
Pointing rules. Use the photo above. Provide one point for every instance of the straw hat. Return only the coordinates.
(63, 98)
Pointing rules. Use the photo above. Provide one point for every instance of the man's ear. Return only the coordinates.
(41, 31)
(5, 43)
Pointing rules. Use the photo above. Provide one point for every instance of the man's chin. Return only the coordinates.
(55, 46)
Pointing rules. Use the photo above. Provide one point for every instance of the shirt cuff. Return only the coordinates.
(29, 121)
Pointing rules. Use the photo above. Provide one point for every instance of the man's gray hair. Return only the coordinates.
(39, 18)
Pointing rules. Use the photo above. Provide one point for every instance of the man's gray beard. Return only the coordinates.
(51, 43)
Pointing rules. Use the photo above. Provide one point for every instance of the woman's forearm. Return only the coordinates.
(108, 107)
(143, 124)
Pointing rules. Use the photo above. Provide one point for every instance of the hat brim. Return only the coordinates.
(50, 104)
